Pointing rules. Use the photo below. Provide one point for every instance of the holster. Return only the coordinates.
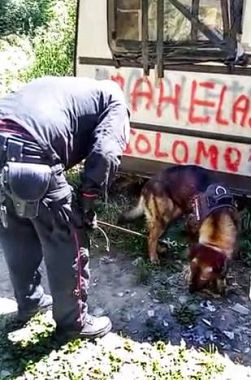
(26, 184)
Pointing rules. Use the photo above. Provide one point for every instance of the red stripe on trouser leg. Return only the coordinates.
(78, 290)
(89, 195)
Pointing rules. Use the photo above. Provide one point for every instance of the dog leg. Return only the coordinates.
(160, 210)
(156, 229)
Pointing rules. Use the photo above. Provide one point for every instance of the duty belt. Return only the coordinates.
(14, 148)
(17, 144)
(18, 150)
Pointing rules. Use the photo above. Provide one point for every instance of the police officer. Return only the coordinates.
(48, 126)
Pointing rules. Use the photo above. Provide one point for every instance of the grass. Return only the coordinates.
(109, 213)
(144, 271)
(245, 241)
(162, 294)
(33, 353)
(186, 315)
(47, 49)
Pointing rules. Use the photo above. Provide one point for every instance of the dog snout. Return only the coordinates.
(197, 283)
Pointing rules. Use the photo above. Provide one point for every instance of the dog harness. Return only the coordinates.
(215, 197)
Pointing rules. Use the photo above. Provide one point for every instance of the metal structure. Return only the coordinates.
(184, 68)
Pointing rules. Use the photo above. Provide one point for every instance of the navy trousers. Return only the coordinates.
(65, 249)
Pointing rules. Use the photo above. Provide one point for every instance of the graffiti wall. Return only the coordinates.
(208, 103)
(177, 149)
(211, 103)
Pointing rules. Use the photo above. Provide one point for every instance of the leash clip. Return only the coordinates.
(197, 208)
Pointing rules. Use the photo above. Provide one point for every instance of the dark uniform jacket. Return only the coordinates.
(74, 119)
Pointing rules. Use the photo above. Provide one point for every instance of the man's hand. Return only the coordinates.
(90, 220)
(89, 215)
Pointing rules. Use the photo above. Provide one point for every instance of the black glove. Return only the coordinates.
(89, 215)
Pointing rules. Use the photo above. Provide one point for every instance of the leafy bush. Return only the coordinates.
(24, 16)
(54, 45)
(45, 50)
(16, 55)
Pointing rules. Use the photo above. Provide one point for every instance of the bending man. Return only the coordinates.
(48, 126)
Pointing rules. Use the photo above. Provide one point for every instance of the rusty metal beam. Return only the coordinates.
(195, 13)
(145, 36)
(160, 37)
(225, 18)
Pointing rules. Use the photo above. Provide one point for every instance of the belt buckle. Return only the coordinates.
(196, 208)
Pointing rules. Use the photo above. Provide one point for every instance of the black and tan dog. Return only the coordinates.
(212, 227)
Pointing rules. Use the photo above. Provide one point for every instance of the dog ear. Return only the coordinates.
(195, 260)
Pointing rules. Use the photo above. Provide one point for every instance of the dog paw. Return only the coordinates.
(155, 260)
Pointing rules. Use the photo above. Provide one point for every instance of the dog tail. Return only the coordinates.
(134, 213)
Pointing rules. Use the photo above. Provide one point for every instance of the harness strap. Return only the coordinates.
(215, 197)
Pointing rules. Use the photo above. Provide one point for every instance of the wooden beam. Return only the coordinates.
(160, 36)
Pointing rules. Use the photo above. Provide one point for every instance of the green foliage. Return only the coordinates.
(24, 16)
(54, 45)
(16, 55)
(245, 240)
(41, 44)
(144, 271)
(186, 315)
(162, 294)
(73, 177)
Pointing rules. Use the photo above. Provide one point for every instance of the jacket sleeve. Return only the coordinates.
(109, 141)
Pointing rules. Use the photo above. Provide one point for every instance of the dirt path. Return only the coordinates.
(165, 310)
(160, 306)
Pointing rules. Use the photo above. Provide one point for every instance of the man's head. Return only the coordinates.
(207, 266)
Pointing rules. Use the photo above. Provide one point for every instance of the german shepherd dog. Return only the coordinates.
(170, 194)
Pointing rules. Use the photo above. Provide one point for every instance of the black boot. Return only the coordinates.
(93, 328)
